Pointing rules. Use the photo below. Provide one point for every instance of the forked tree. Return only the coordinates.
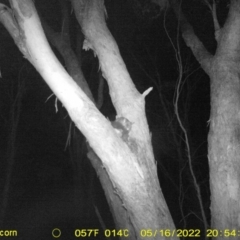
(222, 68)
(121, 151)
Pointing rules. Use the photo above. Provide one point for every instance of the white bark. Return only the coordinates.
(128, 163)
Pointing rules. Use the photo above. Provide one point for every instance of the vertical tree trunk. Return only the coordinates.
(224, 135)
(224, 144)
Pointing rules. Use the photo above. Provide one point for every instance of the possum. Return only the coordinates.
(122, 127)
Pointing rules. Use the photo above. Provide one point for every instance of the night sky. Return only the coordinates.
(52, 183)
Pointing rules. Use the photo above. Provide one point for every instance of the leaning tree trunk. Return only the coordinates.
(124, 147)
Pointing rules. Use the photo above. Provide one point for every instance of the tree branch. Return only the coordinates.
(191, 40)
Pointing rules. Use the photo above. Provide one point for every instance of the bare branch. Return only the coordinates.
(191, 40)
(213, 9)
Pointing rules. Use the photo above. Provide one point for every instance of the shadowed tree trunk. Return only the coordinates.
(223, 140)
(14, 116)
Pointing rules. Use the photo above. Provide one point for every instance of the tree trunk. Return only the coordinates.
(224, 135)
(124, 147)
(224, 144)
